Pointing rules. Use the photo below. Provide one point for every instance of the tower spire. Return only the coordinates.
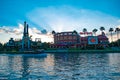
(27, 29)
(26, 38)
(24, 28)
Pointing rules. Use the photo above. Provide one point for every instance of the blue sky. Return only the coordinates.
(17, 9)
(58, 15)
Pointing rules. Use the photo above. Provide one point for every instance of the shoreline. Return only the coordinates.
(63, 51)
(82, 51)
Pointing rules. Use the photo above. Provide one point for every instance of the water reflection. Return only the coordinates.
(3, 67)
(114, 58)
(64, 66)
(49, 64)
(81, 65)
(114, 62)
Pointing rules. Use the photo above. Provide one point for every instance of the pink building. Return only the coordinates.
(73, 39)
(66, 39)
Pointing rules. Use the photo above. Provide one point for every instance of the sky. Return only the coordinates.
(43, 16)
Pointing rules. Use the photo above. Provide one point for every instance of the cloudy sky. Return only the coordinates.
(43, 16)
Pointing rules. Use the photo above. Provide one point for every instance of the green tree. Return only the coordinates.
(102, 29)
(1, 46)
(45, 45)
(84, 30)
(53, 32)
(5, 47)
(75, 32)
(94, 31)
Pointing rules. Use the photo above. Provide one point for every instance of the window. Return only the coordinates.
(61, 38)
(65, 33)
(65, 37)
(74, 33)
(74, 37)
(69, 37)
(70, 33)
(61, 34)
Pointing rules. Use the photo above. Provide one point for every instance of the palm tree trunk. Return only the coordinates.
(95, 34)
(118, 35)
(111, 39)
(118, 38)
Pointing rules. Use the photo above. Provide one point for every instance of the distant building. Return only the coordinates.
(26, 43)
(73, 39)
(18, 43)
(103, 40)
(11, 43)
(36, 44)
(83, 40)
(66, 39)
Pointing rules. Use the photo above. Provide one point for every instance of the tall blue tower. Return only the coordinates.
(26, 38)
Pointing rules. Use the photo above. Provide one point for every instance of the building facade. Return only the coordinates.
(66, 39)
(103, 40)
(26, 39)
(10, 43)
(73, 39)
(25, 43)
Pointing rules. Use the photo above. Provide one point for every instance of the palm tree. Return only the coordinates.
(111, 30)
(94, 31)
(75, 31)
(102, 29)
(53, 32)
(84, 30)
(117, 30)
(1, 46)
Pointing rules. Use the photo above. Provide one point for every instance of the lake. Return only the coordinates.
(60, 66)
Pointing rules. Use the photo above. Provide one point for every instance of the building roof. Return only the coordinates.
(102, 37)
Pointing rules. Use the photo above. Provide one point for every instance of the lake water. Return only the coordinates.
(60, 66)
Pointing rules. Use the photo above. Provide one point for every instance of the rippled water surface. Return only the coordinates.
(60, 66)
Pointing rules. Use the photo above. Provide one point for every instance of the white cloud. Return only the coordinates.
(118, 26)
(11, 30)
(35, 33)
(7, 32)
(19, 29)
(66, 18)
(62, 18)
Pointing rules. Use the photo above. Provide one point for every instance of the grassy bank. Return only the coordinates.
(75, 50)
(66, 51)
(10, 52)
(94, 51)
(16, 52)
(83, 51)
